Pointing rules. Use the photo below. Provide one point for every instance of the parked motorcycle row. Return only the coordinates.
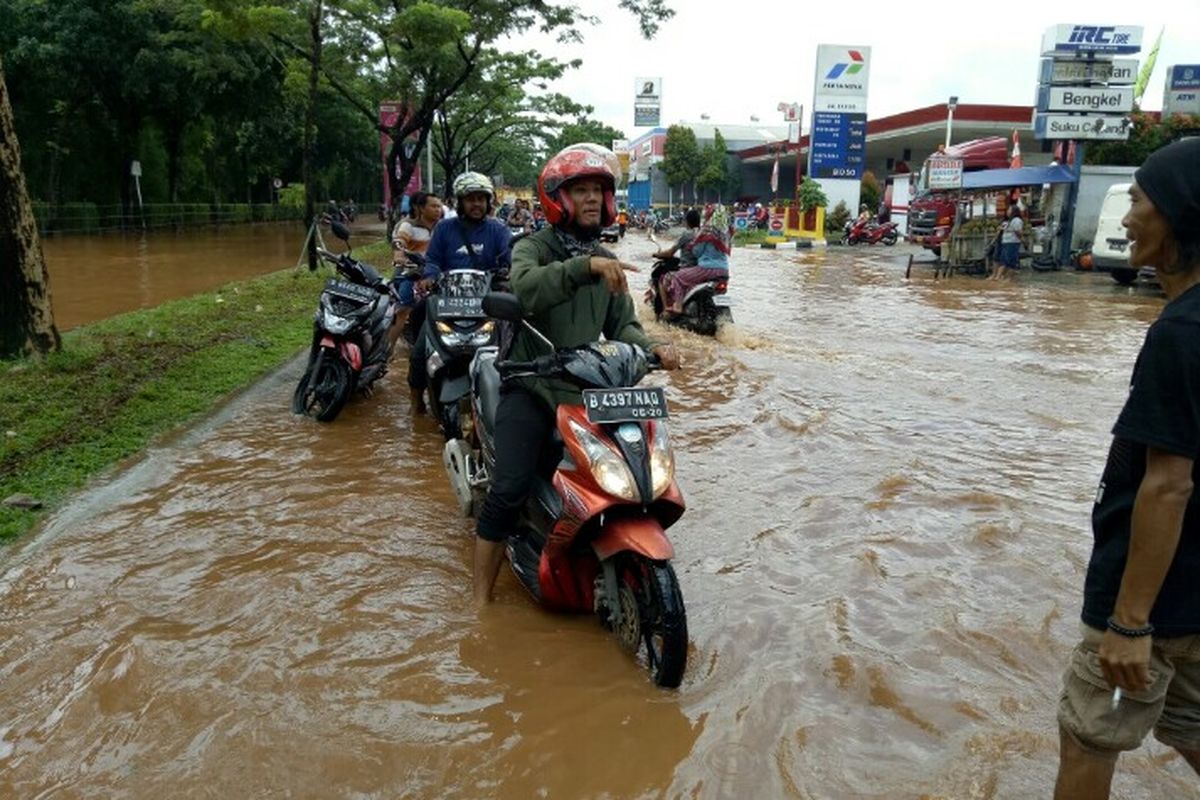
(592, 536)
(870, 232)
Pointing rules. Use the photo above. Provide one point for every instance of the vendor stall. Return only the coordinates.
(979, 201)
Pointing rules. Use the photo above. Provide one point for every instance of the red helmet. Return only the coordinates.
(571, 164)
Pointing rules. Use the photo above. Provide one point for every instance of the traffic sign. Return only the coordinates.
(1089, 127)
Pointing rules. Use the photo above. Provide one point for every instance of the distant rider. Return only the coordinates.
(521, 217)
(683, 245)
(574, 291)
(472, 239)
(710, 250)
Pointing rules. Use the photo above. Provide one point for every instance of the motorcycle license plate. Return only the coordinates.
(350, 290)
(625, 405)
(461, 307)
(722, 300)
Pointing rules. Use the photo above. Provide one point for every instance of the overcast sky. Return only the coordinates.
(738, 58)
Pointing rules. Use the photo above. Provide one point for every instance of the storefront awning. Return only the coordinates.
(1011, 178)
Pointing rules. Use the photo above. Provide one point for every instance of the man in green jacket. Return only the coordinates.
(574, 291)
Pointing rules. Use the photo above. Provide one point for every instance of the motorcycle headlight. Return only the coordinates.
(662, 460)
(335, 324)
(452, 337)
(483, 334)
(608, 468)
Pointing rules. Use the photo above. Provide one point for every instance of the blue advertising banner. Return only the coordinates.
(839, 145)
(1184, 76)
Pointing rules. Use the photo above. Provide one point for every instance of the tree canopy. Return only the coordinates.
(682, 162)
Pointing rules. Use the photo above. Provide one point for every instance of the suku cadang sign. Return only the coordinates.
(1117, 100)
(1089, 128)
(1117, 72)
(1101, 39)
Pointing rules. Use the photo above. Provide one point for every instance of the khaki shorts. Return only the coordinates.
(1170, 707)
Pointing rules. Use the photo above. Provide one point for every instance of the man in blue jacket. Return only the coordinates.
(473, 239)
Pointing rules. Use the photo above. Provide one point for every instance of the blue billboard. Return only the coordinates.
(838, 145)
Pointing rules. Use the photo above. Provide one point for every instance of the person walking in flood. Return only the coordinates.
(1137, 668)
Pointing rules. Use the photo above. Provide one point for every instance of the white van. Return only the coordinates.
(1110, 250)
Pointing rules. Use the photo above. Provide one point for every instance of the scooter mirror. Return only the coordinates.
(502, 305)
(340, 230)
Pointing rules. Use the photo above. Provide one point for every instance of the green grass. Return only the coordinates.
(119, 384)
(750, 237)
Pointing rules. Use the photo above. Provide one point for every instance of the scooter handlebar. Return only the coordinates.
(542, 367)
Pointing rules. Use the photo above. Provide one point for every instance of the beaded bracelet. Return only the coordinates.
(1134, 633)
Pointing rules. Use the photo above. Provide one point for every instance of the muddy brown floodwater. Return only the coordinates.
(888, 488)
(95, 277)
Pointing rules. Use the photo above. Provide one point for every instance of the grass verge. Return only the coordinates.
(750, 237)
(118, 384)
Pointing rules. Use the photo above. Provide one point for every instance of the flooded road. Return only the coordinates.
(95, 277)
(888, 486)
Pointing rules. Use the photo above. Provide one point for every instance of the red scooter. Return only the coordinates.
(592, 535)
(870, 232)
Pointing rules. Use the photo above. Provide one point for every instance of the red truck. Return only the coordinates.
(931, 214)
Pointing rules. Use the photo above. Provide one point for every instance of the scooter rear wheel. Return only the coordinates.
(659, 616)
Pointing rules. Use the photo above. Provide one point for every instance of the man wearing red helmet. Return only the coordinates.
(573, 291)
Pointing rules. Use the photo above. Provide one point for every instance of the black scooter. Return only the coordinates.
(705, 307)
(350, 342)
(455, 327)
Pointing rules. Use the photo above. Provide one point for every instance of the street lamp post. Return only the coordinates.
(950, 106)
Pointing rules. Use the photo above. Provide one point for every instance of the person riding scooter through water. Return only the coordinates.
(574, 291)
(710, 250)
(472, 239)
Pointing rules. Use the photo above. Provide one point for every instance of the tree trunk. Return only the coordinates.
(173, 133)
(310, 125)
(26, 316)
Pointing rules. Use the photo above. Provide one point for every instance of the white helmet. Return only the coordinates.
(472, 182)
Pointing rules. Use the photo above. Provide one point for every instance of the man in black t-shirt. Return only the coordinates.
(1138, 666)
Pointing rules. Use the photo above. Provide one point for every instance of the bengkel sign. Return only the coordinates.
(1117, 100)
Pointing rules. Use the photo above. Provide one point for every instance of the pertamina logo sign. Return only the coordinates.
(847, 75)
(851, 67)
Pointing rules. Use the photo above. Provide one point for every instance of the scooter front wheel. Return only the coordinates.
(324, 389)
(653, 615)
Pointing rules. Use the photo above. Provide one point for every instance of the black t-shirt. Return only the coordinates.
(1163, 411)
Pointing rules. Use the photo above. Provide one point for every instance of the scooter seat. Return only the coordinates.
(487, 385)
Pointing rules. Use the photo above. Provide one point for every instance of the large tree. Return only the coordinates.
(495, 105)
(682, 161)
(714, 167)
(585, 129)
(422, 53)
(26, 317)
(1148, 134)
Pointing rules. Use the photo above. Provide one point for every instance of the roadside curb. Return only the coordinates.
(801, 244)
